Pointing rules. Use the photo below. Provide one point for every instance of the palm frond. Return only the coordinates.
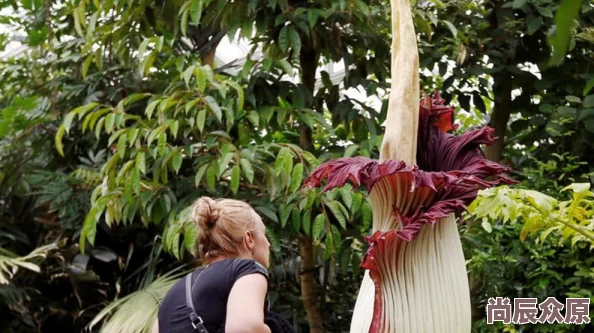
(136, 312)
(10, 262)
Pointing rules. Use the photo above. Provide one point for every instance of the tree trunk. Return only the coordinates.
(308, 60)
(500, 115)
(308, 293)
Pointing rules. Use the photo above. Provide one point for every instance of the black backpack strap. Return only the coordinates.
(197, 322)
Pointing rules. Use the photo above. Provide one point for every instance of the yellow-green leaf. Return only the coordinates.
(235, 179)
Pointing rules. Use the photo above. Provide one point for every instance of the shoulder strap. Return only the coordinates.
(196, 320)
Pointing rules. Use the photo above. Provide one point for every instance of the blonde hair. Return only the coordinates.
(221, 225)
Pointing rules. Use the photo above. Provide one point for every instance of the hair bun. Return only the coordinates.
(206, 212)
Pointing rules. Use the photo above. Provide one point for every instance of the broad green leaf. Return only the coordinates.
(200, 78)
(196, 11)
(174, 127)
(201, 119)
(247, 169)
(184, 22)
(211, 177)
(318, 226)
(296, 177)
(274, 240)
(109, 121)
(589, 101)
(190, 237)
(487, 226)
(285, 212)
(312, 16)
(176, 160)
(281, 158)
(235, 179)
(573, 99)
(295, 40)
(151, 108)
(296, 219)
(199, 174)
(367, 214)
(333, 205)
(141, 162)
(350, 150)
(286, 66)
(588, 87)
(212, 104)
(307, 222)
(283, 39)
(347, 197)
(533, 24)
(567, 12)
(452, 28)
(121, 147)
(271, 215)
(519, 3)
(254, 118)
(58, 140)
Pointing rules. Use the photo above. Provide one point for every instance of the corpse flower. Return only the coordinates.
(450, 171)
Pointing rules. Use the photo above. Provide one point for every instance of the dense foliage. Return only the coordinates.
(118, 114)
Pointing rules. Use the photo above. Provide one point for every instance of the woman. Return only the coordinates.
(230, 293)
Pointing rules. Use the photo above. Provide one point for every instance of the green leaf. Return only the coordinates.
(58, 140)
(214, 106)
(274, 240)
(254, 118)
(141, 162)
(174, 127)
(190, 237)
(452, 28)
(121, 147)
(567, 12)
(296, 177)
(350, 150)
(247, 169)
(281, 159)
(295, 40)
(588, 101)
(573, 99)
(211, 177)
(333, 205)
(199, 174)
(196, 11)
(487, 226)
(200, 78)
(296, 219)
(519, 3)
(283, 39)
(318, 226)
(367, 214)
(176, 160)
(347, 196)
(533, 24)
(271, 215)
(89, 228)
(585, 114)
(151, 108)
(184, 22)
(235, 179)
(307, 222)
(588, 86)
(86, 65)
(109, 121)
(285, 212)
(312, 16)
(201, 119)
(286, 66)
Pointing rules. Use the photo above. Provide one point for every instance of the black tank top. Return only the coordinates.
(210, 294)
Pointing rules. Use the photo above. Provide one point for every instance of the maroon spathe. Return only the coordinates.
(453, 167)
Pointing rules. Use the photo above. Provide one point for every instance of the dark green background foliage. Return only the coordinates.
(115, 117)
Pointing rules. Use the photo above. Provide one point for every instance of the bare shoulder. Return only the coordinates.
(245, 307)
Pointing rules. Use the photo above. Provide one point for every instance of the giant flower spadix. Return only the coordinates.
(419, 272)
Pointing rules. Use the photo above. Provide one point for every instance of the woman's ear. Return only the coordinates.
(248, 240)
